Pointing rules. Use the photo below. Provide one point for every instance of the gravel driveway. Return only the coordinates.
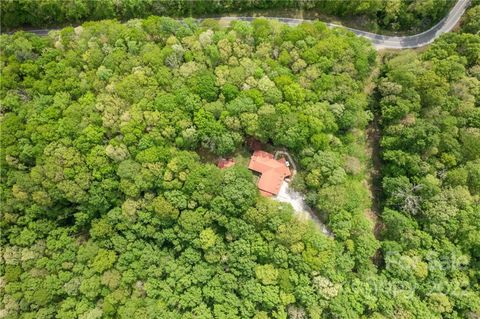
(288, 195)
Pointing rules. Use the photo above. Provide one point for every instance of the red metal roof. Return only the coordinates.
(273, 172)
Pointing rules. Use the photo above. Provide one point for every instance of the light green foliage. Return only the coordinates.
(103, 261)
(208, 238)
(267, 274)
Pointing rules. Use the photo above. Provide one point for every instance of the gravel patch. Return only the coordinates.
(303, 212)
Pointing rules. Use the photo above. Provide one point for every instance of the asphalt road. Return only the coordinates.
(379, 41)
(421, 39)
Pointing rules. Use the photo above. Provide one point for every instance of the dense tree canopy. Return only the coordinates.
(108, 211)
(430, 114)
(389, 14)
(112, 207)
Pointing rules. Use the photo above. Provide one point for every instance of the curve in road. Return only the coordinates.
(391, 42)
(378, 41)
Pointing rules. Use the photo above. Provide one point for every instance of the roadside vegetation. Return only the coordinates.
(371, 15)
(471, 21)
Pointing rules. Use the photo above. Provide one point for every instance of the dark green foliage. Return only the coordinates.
(203, 84)
(471, 22)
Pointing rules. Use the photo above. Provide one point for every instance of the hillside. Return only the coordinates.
(113, 205)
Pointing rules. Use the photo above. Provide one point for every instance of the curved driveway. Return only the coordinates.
(379, 41)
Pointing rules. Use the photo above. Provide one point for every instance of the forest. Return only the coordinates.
(113, 208)
(376, 15)
(430, 118)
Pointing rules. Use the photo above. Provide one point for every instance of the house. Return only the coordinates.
(273, 172)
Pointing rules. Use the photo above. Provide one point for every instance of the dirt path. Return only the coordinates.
(373, 150)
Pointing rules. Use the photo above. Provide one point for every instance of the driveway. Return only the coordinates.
(303, 212)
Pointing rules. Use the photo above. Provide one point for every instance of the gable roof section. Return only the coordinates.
(273, 172)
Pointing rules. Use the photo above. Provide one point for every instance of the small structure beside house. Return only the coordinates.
(225, 163)
(273, 172)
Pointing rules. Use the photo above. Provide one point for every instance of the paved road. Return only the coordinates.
(421, 39)
(379, 41)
